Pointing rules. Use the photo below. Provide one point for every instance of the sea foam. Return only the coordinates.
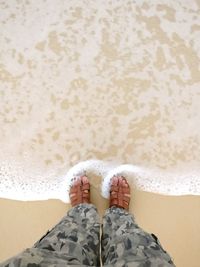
(110, 80)
(157, 181)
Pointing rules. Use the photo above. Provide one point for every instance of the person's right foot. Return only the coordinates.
(119, 192)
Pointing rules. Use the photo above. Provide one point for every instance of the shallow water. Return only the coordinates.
(108, 80)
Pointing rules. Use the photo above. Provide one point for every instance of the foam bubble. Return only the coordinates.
(57, 187)
(151, 180)
(111, 80)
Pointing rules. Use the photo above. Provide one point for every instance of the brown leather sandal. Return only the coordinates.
(119, 192)
(80, 191)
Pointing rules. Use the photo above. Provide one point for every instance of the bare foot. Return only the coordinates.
(80, 191)
(119, 192)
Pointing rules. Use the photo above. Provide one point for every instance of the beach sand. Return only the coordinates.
(107, 80)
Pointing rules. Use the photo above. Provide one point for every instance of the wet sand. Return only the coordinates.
(107, 80)
(175, 220)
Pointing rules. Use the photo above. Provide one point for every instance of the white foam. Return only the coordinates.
(158, 181)
(115, 80)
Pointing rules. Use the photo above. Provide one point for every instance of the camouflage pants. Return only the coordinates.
(75, 241)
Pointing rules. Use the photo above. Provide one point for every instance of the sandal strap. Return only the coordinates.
(119, 195)
(80, 192)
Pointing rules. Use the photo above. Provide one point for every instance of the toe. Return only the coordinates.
(121, 181)
(115, 181)
(85, 183)
(77, 182)
(84, 180)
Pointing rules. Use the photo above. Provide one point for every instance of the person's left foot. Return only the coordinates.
(119, 192)
(80, 191)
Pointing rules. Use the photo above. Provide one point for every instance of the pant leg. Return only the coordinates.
(125, 244)
(75, 240)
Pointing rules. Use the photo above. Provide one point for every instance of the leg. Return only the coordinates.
(124, 243)
(76, 235)
(73, 241)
